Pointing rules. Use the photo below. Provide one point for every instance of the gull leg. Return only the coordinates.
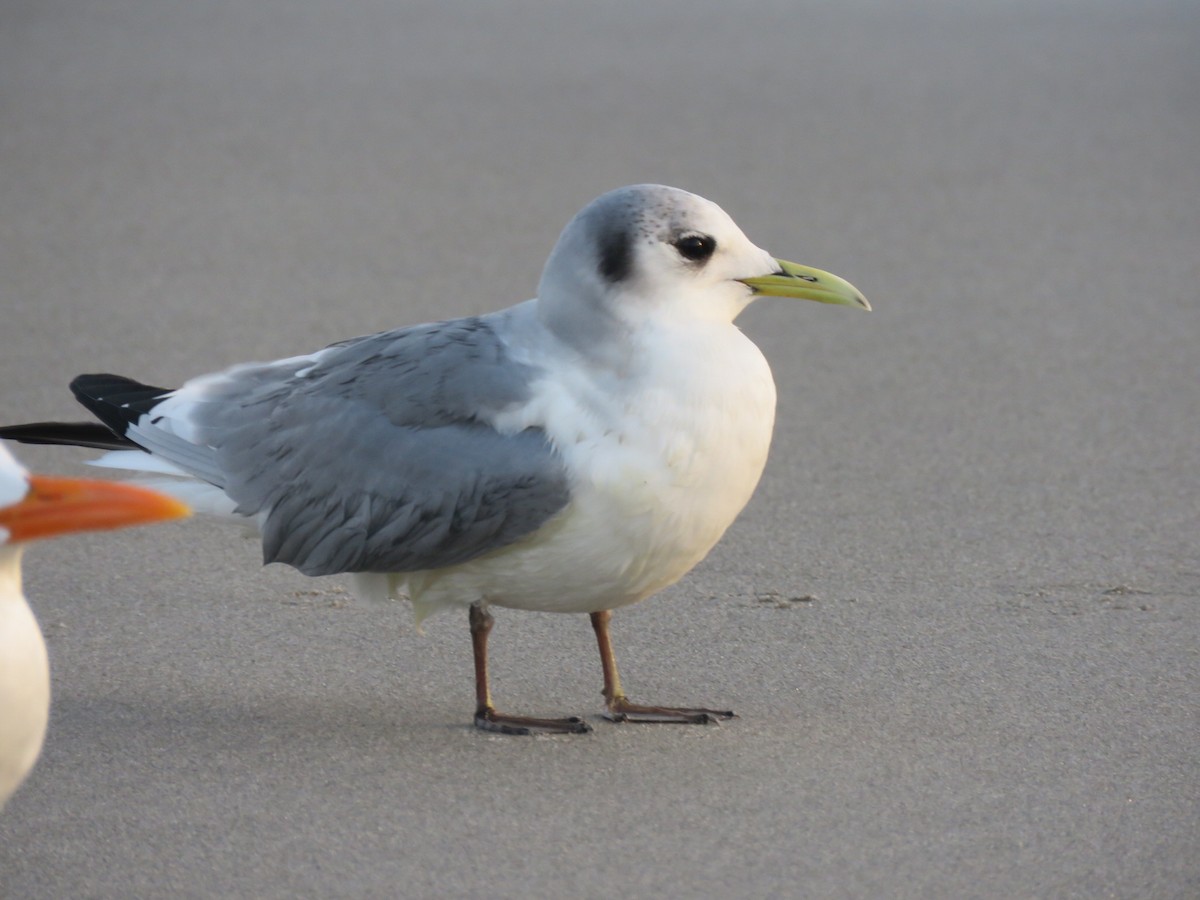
(620, 709)
(486, 717)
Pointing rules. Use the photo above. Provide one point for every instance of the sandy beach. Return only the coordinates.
(960, 619)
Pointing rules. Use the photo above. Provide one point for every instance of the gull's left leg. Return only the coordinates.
(620, 709)
(486, 716)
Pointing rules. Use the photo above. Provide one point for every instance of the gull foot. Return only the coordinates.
(624, 711)
(499, 723)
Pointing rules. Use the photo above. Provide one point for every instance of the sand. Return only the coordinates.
(960, 618)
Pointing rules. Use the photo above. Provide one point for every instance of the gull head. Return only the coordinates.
(654, 253)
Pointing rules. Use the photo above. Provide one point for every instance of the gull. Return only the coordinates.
(33, 507)
(573, 453)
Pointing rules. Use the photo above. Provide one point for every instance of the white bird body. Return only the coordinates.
(34, 507)
(673, 457)
(24, 677)
(573, 453)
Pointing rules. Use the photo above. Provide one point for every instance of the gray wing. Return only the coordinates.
(375, 455)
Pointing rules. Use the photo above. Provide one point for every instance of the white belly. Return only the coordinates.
(24, 684)
(656, 483)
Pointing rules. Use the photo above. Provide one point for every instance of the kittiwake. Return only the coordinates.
(576, 453)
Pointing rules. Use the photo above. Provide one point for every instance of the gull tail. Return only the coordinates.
(116, 401)
(127, 430)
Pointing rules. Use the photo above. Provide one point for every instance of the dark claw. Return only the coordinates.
(483, 723)
(499, 723)
(667, 715)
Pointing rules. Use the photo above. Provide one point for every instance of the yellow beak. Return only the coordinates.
(805, 283)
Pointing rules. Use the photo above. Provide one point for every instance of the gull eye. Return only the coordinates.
(696, 247)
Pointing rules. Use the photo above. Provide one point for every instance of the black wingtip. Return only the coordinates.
(116, 390)
(115, 400)
(69, 434)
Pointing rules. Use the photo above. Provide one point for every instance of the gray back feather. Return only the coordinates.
(379, 457)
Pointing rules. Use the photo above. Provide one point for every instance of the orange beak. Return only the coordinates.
(57, 506)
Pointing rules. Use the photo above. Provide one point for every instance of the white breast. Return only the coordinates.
(663, 459)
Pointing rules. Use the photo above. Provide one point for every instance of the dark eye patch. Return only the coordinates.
(696, 247)
(616, 255)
